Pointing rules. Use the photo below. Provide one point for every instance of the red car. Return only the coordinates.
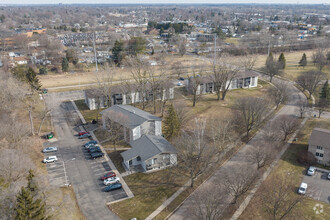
(108, 175)
(82, 133)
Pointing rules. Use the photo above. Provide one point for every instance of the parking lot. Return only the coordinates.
(318, 186)
(99, 167)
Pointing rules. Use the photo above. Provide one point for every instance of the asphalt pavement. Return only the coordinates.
(82, 172)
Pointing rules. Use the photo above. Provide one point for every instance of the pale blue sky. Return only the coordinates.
(162, 1)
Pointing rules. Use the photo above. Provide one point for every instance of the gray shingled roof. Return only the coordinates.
(239, 75)
(320, 137)
(147, 147)
(128, 115)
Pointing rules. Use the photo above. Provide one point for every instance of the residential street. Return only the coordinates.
(82, 172)
(184, 211)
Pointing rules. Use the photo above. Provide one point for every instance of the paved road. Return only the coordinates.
(184, 211)
(82, 172)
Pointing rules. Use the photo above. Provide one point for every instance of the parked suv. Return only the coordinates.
(50, 159)
(302, 189)
(311, 171)
(113, 187)
(97, 155)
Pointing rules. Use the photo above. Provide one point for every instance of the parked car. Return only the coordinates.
(92, 142)
(113, 187)
(108, 175)
(82, 133)
(49, 149)
(181, 78)
(179, 84)
(328, 176)
(302, 189)
(90, 146)
(311, 171)
(86, 135)
(94, 150)
(111, 180)
(50, 159)
(97, 155)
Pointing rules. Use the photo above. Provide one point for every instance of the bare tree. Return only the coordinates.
(320, 58)
(287, 125)
(309, 80)
(248, 61)
(238, 180)
(322, 106)
(194, 83)
(208, 202)
(104, 81)
(194, 151)
(278, 94)
(182, 46)
(139, 70)
(222, 77)
(262, 155)
(277, 198)
(302, 108)
(252, 110)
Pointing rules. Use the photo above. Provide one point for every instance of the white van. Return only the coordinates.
(302, 189)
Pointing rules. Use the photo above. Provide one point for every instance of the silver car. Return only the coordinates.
(49, 149)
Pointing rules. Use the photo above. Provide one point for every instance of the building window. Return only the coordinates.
(319, 154)
(138, 158)
(319, 147)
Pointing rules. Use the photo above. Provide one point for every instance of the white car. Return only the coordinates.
(49, 149)
(111, 180)
(179, 84)
(302, 189)
(311, 171)
(50, 159)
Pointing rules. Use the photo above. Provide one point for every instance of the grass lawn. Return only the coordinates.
(150, 191)
(288, 165)
(88, 115)
(117, 159)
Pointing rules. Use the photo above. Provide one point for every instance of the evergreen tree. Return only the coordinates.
(32, 79)
(282, 61)
(32, 185)
(27, 209)
(270, 60)
(65, 64)
(118, 52)
(172, 124)
(303, 61)
(325, 91)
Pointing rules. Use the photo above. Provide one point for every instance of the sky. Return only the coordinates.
(162, 1)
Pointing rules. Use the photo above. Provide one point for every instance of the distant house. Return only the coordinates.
(142, 131)
(152, 31)
(20, 60)
(244, 79)
(319, 145)
(151, 152)
(128, 94)
(134, 121)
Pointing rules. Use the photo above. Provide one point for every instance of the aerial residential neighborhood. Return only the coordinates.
(164, 110)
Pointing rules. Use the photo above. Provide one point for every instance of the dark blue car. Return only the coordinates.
(90, 142)
(113, 187)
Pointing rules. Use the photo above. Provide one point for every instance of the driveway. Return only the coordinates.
(318, 186)
(83, 173)
(184, 211)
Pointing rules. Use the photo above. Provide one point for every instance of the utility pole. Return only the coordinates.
(215, 47)
(95, 52)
